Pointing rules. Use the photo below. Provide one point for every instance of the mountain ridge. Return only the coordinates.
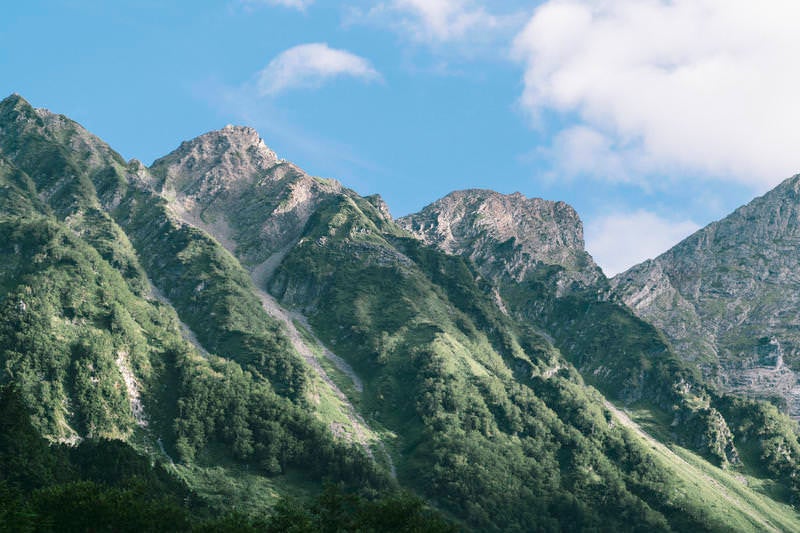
(468, 370)
(725, 296)
(541, 231)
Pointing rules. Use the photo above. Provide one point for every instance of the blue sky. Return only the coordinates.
(651, 118)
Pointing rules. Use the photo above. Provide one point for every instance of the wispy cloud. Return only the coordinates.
(708, 86)
(438, 20)
(300, 5)
(620, 240)
(468, 25)
(310, 66)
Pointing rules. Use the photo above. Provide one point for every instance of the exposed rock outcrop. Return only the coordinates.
(229, 183)
(508, 235)
(727, 296)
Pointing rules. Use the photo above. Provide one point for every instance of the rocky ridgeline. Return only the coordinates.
(727, 296)
(215, 162)
(229, 183)
(507, 234)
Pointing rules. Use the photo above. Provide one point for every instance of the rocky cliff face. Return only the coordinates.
(727, 296)
(216, 162)
(230, 184)
(508, 235)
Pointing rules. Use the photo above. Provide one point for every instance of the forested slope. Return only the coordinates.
(132, 309)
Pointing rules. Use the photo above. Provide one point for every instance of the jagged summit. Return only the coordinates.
(229, 182)
(511, 229)
(229, 139)
(15, 103)
(13, 110)
(22, 128)
(501, 215)
(217, 159)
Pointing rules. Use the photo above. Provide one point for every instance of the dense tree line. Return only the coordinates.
(219, 402)
(105, 485)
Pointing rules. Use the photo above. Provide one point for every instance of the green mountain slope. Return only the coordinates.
(256, 330)
(96, 355)
(564, 296)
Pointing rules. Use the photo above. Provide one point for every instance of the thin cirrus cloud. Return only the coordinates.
(308, 66)
(620, 240)
(300, 5)
(704, 86)
(580, 151)
(438, 22)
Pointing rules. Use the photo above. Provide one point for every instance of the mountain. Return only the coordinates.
(727, 297)
(566, 298)
(533, 252)
(230, 183)
(508, 234)
(250, 331)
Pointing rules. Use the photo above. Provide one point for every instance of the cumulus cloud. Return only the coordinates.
(708, 86)
(300, 5)
(309, 66)
(621, 240)
(581, 151)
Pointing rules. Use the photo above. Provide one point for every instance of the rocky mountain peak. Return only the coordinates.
(228, 182)
(22, 127)
(215, 161)
(233, 141)
(502, 216)
(14, 109)
(509, 229)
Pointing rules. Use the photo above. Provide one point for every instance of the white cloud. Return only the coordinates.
(436, 22)
(581, 151)
(442, 20)
(300, 5)
(708, 86)
(621, 240)
(309, 66)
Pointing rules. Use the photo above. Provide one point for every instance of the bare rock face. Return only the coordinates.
(727, 296)
(507, 234)
(215, 162)
(230, 184)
